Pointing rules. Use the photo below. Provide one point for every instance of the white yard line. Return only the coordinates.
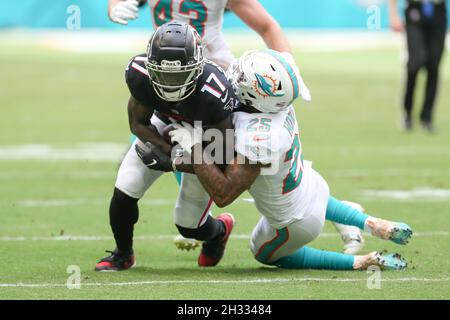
(171, 236)
(413, 194)
(63, 174)
(96, 152)
(237, 281)
(424, 194)
(113, 152)
(387, 172)
(38, 203)
(108, 174)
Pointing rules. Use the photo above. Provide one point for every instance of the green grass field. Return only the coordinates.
(74, 106)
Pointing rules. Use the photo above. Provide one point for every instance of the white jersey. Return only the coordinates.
(285, 191)
(206, 16)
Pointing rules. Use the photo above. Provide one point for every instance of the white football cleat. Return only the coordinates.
(351, 235)
(183, 243)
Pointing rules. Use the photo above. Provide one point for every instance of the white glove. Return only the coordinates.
(124, 11)
(186, 135)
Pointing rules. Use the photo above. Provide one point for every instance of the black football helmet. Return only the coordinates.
(174, 60)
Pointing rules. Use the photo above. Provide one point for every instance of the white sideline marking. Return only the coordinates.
(172, 236)
(35, 203)
(111, 174)
(99, 152)
(415, 193)
(112, 152)
(387, 172)
(239, 281)
(73, 175)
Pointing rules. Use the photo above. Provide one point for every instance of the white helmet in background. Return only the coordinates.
(267, 80)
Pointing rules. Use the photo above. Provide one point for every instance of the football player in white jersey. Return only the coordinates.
(206, 16)
(293, 199)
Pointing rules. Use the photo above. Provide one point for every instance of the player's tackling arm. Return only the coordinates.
(121, 11)
(225, 187)
(257, 18)
(139, 121)
(221, 127)
(111, 4)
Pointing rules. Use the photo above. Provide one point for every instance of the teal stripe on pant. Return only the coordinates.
(339, 212)
(177, 174)
(266, 251)
(309, 258)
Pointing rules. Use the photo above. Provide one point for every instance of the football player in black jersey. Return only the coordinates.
(171, 81)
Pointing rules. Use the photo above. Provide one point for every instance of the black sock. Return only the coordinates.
(123, 214)
(212, 229)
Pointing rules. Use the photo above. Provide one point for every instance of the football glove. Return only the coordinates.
(124, 11)
(186, 135)
(155, 159)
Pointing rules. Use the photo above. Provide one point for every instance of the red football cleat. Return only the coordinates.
(213, 250)
(116, 262)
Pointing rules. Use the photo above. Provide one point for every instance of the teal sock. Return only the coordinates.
(339, 212)
(178, 176)
(132, 138)
(309, 258)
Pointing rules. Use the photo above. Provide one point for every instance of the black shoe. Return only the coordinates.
(428, 126)
(407, 123)
(116, 262)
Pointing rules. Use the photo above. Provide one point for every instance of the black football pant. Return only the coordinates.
(426, 42)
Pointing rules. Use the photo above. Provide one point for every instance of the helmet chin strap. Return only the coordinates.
(174, 95)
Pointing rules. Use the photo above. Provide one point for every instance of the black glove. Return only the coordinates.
(155, 159)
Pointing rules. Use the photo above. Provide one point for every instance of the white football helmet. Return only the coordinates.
(267, 80)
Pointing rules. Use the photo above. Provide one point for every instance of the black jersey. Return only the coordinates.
(212, 101)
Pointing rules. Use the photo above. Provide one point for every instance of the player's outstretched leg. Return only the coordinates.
(309, 258)
(348, 213)
(351, 235)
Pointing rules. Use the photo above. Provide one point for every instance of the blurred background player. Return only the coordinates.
(207, 17)
(426, 27)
